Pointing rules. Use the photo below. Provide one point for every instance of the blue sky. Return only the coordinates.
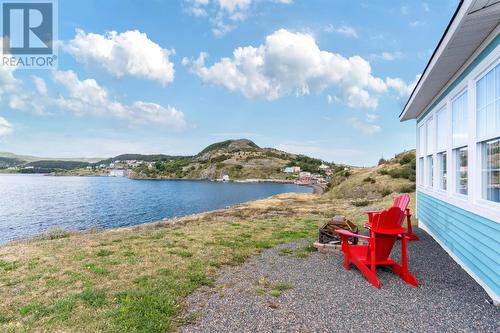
(323, 78)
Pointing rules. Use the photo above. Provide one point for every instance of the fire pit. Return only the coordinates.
(327, 234)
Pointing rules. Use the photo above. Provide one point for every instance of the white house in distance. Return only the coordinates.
(456, 104)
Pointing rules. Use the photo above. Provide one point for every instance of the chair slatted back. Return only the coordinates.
(402, 201)
(389, 219)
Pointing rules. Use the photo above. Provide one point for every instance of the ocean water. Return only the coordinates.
(33, 204)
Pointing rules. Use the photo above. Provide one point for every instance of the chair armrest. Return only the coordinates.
(395, 231)
(350, 234)
(373, 211)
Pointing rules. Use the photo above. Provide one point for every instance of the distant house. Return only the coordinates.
(225, 178)
(292, 169)
(118, 173)
(324, 167)
(305, 178)
(456, 104)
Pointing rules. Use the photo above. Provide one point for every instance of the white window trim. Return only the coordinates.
(473, 201)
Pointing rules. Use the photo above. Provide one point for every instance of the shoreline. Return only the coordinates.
(56, 232)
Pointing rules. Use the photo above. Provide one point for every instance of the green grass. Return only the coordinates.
(137, 283)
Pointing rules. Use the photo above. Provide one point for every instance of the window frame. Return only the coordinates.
(473, 201)
(455, 172)
(481, 188)
(440, 169)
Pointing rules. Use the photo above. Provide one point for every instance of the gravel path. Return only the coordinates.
(326, 298)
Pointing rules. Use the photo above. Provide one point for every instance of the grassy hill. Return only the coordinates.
(240, 159)
(30, 158)
(394, 175)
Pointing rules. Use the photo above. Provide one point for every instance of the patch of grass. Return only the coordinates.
(360, 203)
(145, 289)
(282, 286)
(9, 265)
(93, 297)
(36, 310)
(370, 180)
(4, 319)
(184, 254)
(275, 293)
(386, 191)
(284, 252)
(54, 234)
(63, 308)
(407, 188)
(104, 253)
(96, 269)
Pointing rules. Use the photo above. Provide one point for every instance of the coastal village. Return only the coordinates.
(157, 243)
(239, 160)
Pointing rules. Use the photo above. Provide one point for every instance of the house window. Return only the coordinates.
(459, 120)
(488, 105)
(442, 129)
(461, 169)
(488, 132)
(442, 175)
(421, 141)
(441, 137)
(459, 141)
(491, 170)
(421, 171)
(430, 167)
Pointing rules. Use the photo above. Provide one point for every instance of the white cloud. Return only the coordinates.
(329, 99)
(130, 53)
(88, 96)
(292, 64)
(388, 56)
(370, 117)
(425, 7)
(399, 85)
(345, 30)
(365, 126)
(6, 128)
(224, 14)
(405, 10)
(416, 24)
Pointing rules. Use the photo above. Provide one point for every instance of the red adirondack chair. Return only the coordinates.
(384, 230)
(402, 201)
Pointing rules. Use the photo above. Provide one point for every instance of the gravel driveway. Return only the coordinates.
(324, 297)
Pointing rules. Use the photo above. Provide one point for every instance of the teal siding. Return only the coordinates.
(474, 239)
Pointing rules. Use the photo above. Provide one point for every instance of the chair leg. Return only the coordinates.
(370, 274)
(411, 235)
(345, 250)
(402, 270)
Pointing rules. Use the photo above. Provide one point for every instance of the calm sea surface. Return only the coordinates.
(33, 204)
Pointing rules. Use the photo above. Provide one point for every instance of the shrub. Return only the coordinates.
(407, 188)
(407, 158)
(383, 172)
(382, 161)
(369, 180)
(360, 203)
(385, 191)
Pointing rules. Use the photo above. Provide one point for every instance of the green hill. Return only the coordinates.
(393, 175)
(240, 159)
